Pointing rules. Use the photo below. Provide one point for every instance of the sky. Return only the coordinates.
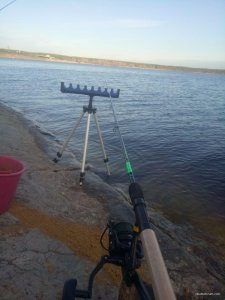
(170, 32)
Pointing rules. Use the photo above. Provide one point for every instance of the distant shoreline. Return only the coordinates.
(17, 54)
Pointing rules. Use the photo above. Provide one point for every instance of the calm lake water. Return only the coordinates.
(173, 124)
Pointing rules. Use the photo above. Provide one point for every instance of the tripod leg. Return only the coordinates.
(59, 153)
(102, 144)
(82, 173)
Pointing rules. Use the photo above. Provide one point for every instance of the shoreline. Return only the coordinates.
(46, 211)
(51, 190)
(24, 55)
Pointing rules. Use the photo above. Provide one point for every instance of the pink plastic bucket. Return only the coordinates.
(10, 172)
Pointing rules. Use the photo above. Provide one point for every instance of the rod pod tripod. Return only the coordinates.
(89, 110)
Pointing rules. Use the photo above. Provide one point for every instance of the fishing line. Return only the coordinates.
(7, 5)
(128, 166)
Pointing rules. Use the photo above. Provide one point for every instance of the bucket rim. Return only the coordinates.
(13, 159)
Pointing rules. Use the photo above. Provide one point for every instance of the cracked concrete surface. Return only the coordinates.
(39, 246)
(35, 266)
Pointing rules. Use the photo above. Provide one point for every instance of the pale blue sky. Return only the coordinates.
(178, 32)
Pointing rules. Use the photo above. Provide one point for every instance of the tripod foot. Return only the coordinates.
(82, 175)
(58, 155)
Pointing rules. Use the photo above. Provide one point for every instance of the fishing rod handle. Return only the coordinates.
(159, 276)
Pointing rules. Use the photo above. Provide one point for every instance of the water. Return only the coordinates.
(173, 124)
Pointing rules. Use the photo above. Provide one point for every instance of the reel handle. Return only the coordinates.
(69, 289)
(70, 292)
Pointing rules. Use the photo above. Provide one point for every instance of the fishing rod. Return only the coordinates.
(158, 273)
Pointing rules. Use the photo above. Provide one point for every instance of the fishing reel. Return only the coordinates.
(124, 250)
(124, 244)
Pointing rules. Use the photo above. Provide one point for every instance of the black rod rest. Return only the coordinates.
(92, 92)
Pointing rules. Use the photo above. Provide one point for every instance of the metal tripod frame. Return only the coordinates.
(89, 110)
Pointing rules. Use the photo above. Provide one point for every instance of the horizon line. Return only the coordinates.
(136, 64)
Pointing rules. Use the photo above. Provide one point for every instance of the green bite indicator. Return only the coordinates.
(128, 167)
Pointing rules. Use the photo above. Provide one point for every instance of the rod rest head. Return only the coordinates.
(92, 92)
